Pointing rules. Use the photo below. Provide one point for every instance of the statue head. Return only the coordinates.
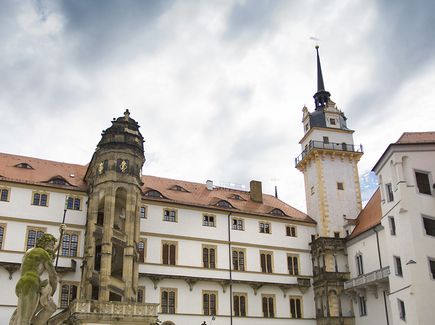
(47, 242)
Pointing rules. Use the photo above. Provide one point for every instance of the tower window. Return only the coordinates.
(332, 121)
(359, 264)
(389, 190)
(398, 266)
(340, 186)
(312, 190)
(392, 226)
(307, 127)
(429, 226)
(325, 139)
(402, 312)
(423, 182)
(336, 234)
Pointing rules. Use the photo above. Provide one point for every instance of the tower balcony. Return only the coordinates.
(328, 146)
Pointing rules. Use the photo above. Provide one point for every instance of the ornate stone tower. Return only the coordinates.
(329, 161)
(110, 263)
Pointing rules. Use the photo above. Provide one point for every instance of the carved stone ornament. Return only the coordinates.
(100, 168)
(123, 166)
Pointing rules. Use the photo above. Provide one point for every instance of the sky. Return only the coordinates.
(216, 86)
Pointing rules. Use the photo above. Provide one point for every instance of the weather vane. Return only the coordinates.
(316, 40)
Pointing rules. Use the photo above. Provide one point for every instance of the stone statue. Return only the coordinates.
(35, 294)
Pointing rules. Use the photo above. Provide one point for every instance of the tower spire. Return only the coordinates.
(321, 97)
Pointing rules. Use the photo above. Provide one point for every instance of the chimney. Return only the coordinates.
(256, 192)
(209, 185)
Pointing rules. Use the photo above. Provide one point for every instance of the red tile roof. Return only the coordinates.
(417, 137)
(41, 171)
(370, 216)
(196, 194)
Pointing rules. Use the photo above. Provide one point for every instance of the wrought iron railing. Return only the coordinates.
(368, 278)
(328, 146)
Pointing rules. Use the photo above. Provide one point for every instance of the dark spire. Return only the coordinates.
(322, 96)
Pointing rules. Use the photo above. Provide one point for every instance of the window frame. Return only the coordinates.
(340, 186)
(301, 305)
(69, 300)
(389, 192)
(402, 309)
(398, 269)
(32, 199)
(34, 228)
(266, 268)
(167, 242)
(265, 223)
(268, 296)
(359, 264)
(208, 216)
(74, 199)
(431, 261)
(144, 241)
(169, 211)
(168, 291)
(143, 215)
(206, 246)
(289, 233)
(429, 181)
(238, 250)
(3, 236)
(392, 225)
(237, 219)
(8, 194)
(140, 288)
(362, 306)
(70, 232)
(430, 219)
(298, 264)
(209, 312)
(240, 294)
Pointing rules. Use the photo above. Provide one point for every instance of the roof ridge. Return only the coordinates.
(41, 159)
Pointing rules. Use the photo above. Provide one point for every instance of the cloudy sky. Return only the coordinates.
(217, 86)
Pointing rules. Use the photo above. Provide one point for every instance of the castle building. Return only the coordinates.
(141, 249)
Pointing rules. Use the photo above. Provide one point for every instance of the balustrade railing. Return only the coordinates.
(368, 278)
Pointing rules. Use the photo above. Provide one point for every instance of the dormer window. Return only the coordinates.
(277, 212)
(237, 197)
(178, 188)
(58, 181)
(224, 204)
(24, 165)
(154, 194)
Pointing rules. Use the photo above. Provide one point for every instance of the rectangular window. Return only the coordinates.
(402, 312)
(423, 182)
(266, 262)
(239, 304)
(432, 267)
(140, 295)
(268, 305)
(392, 226)
(359, 264)
(237, 224)
(293, 264)
(68, 292)
(340, 186)
(169, 253)
(143, 212)
(169, 215)
(290, 231)
(168, 300)
(33, 234)
(73, 203)
(141, 250)
(4, 194)
(208, 220)
(362, 306)
(40, 199)
(389, 190)
(239, 259)
(325, 139)
(2, 234)
(70, 243)
(429, 226)
(264, 227)
(209, 256)
(296, 307)
(336, 234)
(209, 302)
(332, 121)
(398, 266)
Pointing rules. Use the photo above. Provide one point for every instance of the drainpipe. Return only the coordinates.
(380, 265)
(229, 269)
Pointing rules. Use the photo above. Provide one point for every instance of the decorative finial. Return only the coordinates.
(126, 114)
